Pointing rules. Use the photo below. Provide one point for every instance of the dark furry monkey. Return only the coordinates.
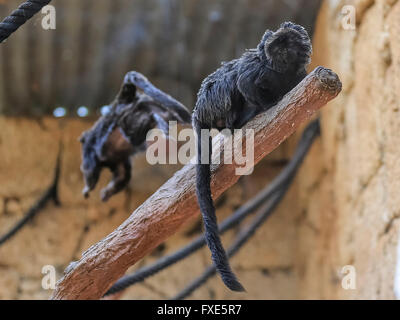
(121, 133)
(234, 94)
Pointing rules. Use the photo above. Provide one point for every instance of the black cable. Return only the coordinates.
(19, 16)
(309, 134)
(50, 193)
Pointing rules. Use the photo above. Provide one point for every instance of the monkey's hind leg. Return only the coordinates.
(245, 116)
(121, 177)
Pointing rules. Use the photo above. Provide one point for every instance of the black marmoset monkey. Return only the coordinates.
(121, 133)
(234, 94)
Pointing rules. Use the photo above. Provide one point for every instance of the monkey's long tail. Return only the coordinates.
(203, 191)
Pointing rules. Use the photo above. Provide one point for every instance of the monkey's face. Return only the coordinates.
(90, 166)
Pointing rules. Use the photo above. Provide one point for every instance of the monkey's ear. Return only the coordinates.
(127, 93)
(265, 37)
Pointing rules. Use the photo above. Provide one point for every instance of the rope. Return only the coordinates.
(19, 16)
(242, 238)
(286, 175)
(50, 193)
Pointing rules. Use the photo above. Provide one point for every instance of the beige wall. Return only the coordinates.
(349, 188)
(342, 210)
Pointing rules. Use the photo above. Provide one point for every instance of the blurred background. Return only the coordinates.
(342, 210)
(175, 43)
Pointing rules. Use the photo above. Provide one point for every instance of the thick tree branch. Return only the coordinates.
(175, 202)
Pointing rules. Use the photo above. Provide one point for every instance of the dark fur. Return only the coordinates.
(234, 94)
(119, 135)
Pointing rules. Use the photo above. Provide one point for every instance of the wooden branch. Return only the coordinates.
(175, 202)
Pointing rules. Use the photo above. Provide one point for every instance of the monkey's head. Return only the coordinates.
(288, 49)
(127, 93)
(90, 166)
